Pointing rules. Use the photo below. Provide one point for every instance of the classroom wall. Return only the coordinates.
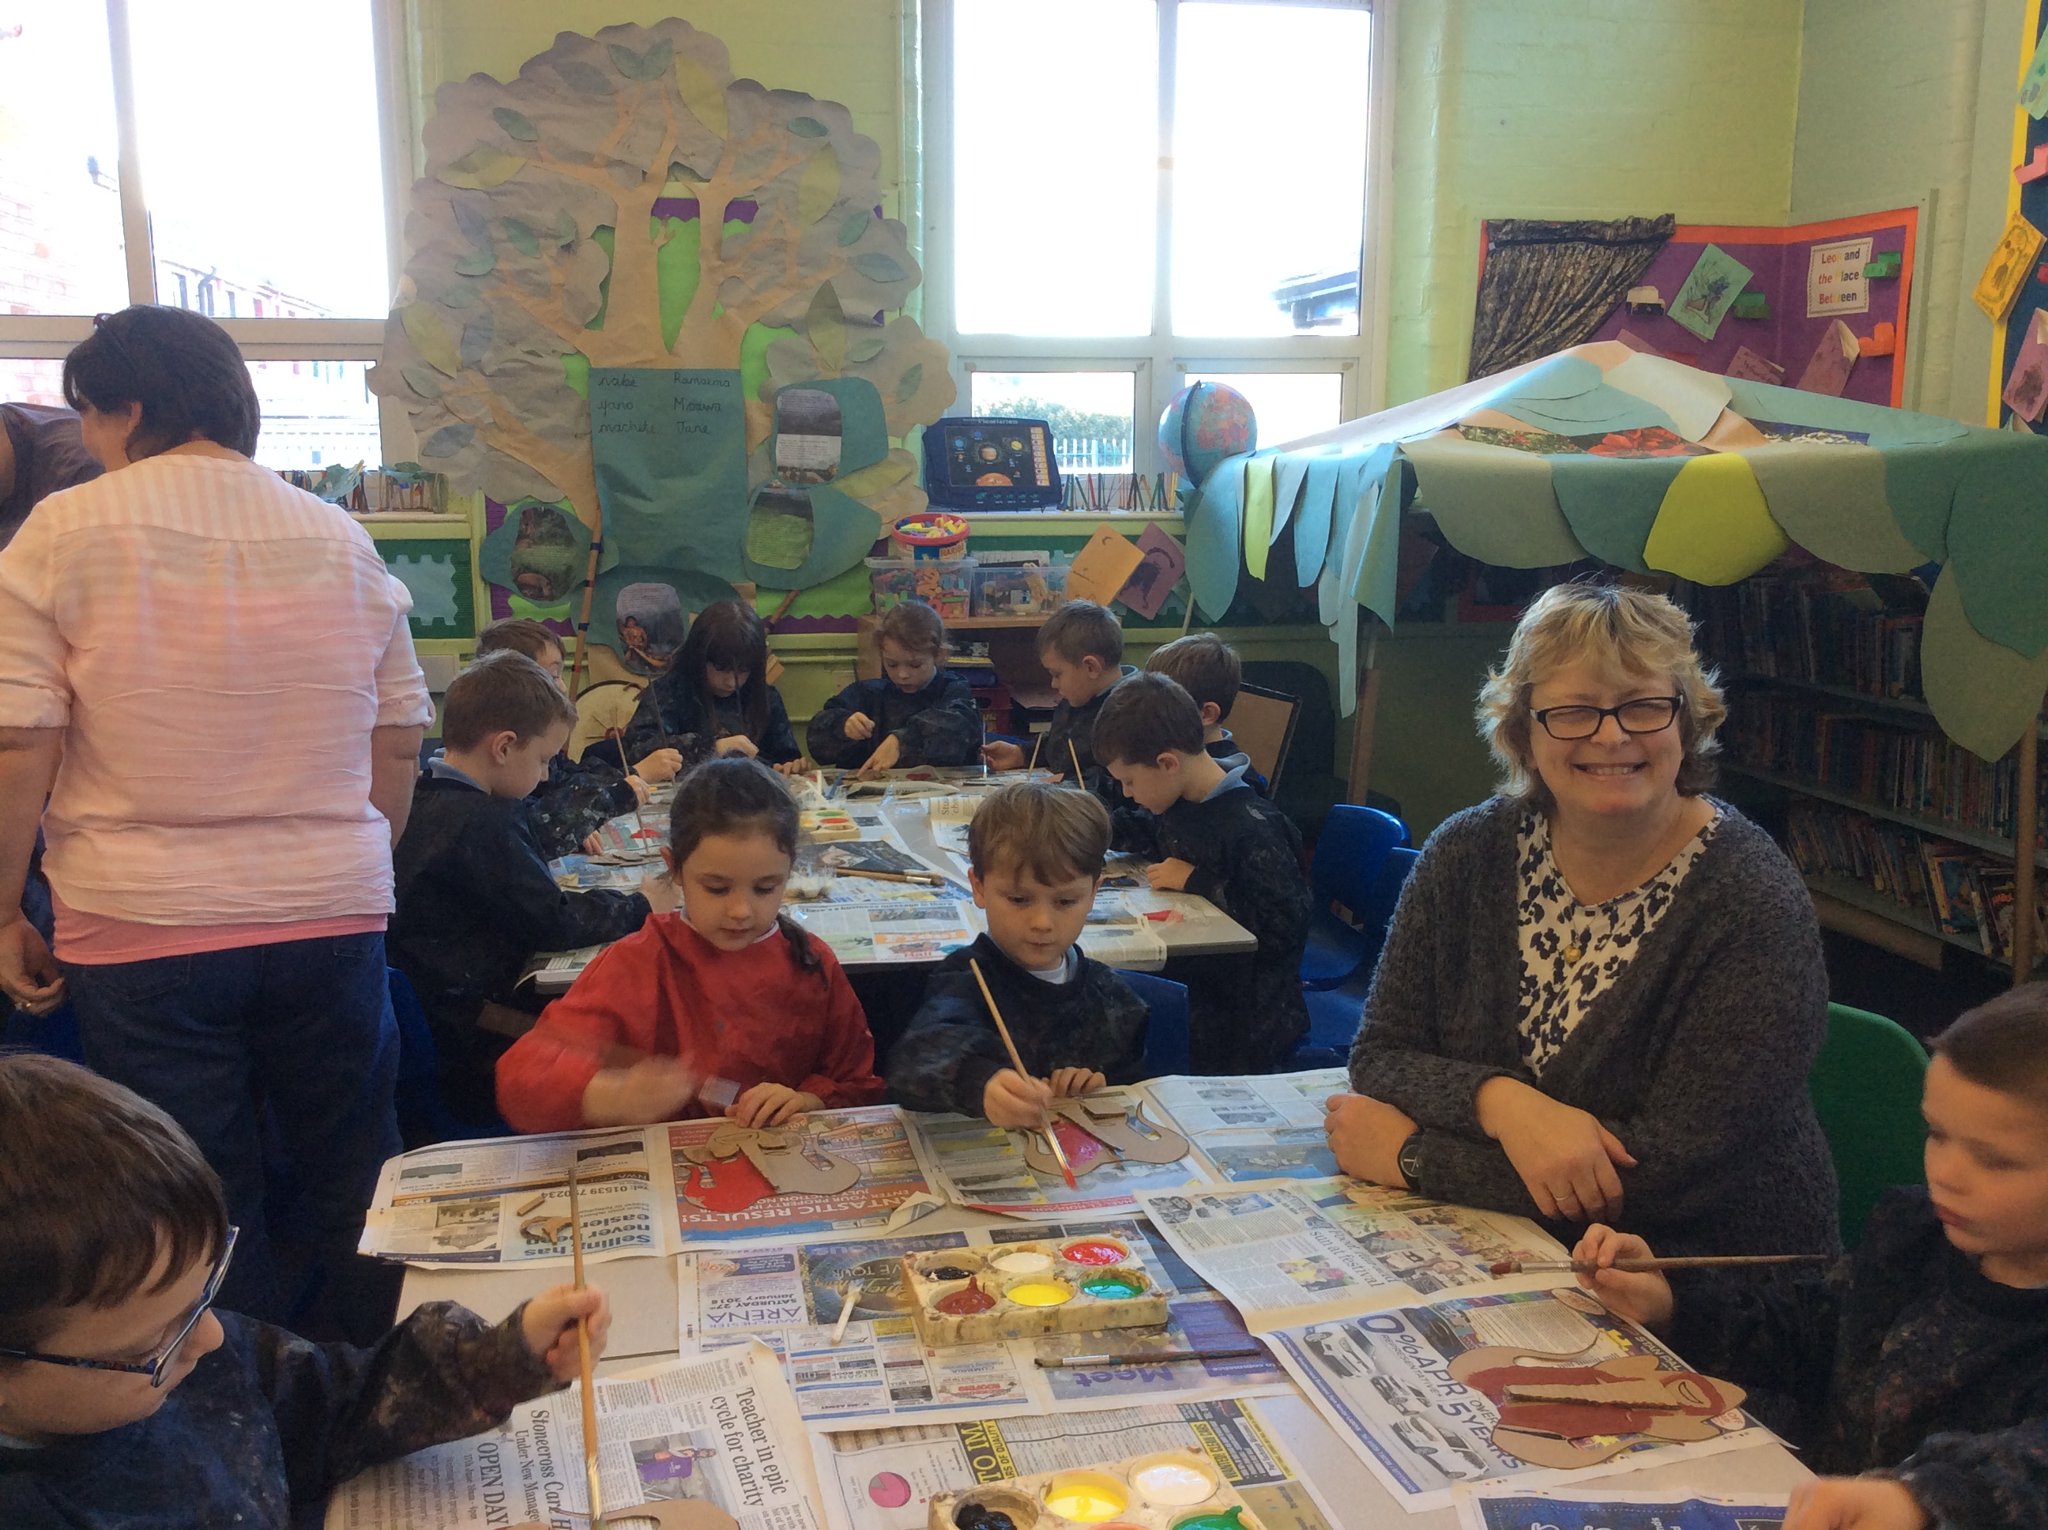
(1900, 101)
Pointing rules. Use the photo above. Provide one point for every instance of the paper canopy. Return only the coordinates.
(1604, 452)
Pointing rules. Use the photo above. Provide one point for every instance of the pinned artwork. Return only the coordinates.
(737, 1166)
(540, 553)
(1100, 1128)
(1168, 1490)
(1751, 367)
(1027, 1290)
(436, 574)
(1161, 564)
(1568, 1416)
(1709, 290)
(2006, 271)
(1833, 356)
(2026, 390)
(1100, 569)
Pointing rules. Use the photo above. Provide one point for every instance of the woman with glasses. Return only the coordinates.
(1602, 991)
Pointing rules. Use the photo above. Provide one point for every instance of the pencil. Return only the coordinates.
(1644, 1266)
(1017, 1062)
(846, 1305)
(1036, 740)
(921, 878)
(1075, 755)
(591, 1483)
(1141, 1357)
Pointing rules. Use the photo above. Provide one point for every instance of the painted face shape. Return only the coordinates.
(1031, 922)
(731, 887)
(1612, 774)
(1074, 683)
(1155, 787)
(1987, 1173)
(908, 670)
(724, 682)
(39, 1400)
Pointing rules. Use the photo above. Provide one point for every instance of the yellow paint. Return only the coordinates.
(1714, 526)
(1040, 1293)
(1258, 513)
(1087, 1497)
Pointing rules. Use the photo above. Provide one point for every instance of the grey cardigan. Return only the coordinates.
(1696, 1058)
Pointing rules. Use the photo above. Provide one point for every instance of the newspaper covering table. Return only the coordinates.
(1506, 1509)
(981, 1166)
(721, 1428)
(1289, 1252)
(1253, 1126)
(1383, 1382)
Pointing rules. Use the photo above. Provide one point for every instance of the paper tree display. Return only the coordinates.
(624, 234)
(1604, 452)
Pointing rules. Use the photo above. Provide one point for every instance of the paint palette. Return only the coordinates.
(1168, 1490)
(1025, 1290)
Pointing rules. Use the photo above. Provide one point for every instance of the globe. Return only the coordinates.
(1204, 423)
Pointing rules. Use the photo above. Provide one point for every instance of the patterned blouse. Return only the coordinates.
(1572, 952)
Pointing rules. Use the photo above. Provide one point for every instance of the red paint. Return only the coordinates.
(967, 1299)
(1093, 1252)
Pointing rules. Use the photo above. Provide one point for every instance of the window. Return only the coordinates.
(1125, 196)
(249, 193)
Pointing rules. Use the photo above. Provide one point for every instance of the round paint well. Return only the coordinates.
(1041, 1293)
(1176, 1481)
(946, 1272)
(1095, 1251)
(1114, 1288)
(966, 1300)
(1023, 1261)
(1089, 1498)
(1231, 1518)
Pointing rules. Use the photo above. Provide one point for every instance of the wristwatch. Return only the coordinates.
(1409, 1160)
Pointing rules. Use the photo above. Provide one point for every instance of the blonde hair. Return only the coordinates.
(1614, 628)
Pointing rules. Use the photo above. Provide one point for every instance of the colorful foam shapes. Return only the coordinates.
(1215, 522)
(1984, 694)
(1494, 503)
(1714, 526)
(1883, 340)
(2030, 169)
(1831, 501)
(1258, 513)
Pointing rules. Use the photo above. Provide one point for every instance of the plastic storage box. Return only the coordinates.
(1019, 589)
(947, 585)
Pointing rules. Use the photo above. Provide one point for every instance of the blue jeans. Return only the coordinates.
(303, 1028)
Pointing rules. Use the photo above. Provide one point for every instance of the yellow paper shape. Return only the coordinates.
(1714, 526)
(2008, 268)
(1101, 567)
(1258, 513)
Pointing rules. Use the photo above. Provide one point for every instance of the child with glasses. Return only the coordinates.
(124, 1398)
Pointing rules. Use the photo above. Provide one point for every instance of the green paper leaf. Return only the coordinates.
(910, 382)
(657, 59)
(879, 268)
(818, 187)
(807, 127)
(628, 63)
(855, 225)
(422, 381)
(522, 237)
(477, 262)
(516, 124)
(476, 337)
(584, 79)
(565, 229)
(866, 350)
(459, 296)
(481, 168)
(476, 227)
(702, 92)
(825, 325)
(1984, 694)
(430, 337)
(447, 441)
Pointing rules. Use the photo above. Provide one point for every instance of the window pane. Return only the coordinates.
(260, 154)
(1055, 127)
(1092, 414)
(60, 210)
(1287, 405)
(31, 382)
(315, 413)
(1269, 169)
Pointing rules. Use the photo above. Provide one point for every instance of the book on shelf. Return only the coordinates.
(1819, 625)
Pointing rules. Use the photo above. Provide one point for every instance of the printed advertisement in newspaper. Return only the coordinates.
(1251, 1127)
(1495, 1509)
(1383, 1381)
(724, 1198)
(1294, 1252)
(720, 1428)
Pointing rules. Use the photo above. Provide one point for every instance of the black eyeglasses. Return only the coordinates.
(159, 1364)
(1646, 714)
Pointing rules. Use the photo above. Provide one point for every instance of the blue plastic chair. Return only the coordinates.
(1167, 1049)
(423, 1115)
(1350, 851)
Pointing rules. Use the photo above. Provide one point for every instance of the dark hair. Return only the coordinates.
(98, 1185)
(1052, 833)
(1205, 666)
(732, 794)
(2002, 1044)
(181, 367)
(1081, 629)
(502, 690)
(915, 626)
(1144, 717)
(521, 634)
(728, 634)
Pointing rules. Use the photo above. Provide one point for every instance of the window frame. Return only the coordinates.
(52, 336)
(1163, 359)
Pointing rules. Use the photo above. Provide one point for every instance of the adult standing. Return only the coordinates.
(1602, 991)
(211, 674)
(40, 453)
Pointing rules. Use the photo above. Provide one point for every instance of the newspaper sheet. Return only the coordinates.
(1503, 1509)
(982, 1167)
(901, 930)
(1304, 1251)
(731, 1202)
(720, 1428)
(1383, 1381)
(884, 1479)
(791, 1297)
(555, 971)
(505, 1200)
(1253, 1126)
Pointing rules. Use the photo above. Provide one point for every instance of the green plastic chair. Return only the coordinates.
(1866, 1091)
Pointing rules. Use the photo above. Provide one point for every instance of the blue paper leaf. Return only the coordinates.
(447, 441)
(855, 225)
(476, 338)
(807, 127)
(879, 268)
(585, 79)
(470, 218)
(628, 63)
(422, 380)
(909, 383)
(516, 124)
(476, 262)
(522, 237)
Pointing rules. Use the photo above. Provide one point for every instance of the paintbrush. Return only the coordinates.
(1016, 1061)
(1140, 1357)
(1036, 740)
(922, 878)
(1645, 1266)
(591, 1483)
(846, 1306)
(1075, 755)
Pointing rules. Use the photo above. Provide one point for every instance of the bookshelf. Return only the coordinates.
(1903, 837)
